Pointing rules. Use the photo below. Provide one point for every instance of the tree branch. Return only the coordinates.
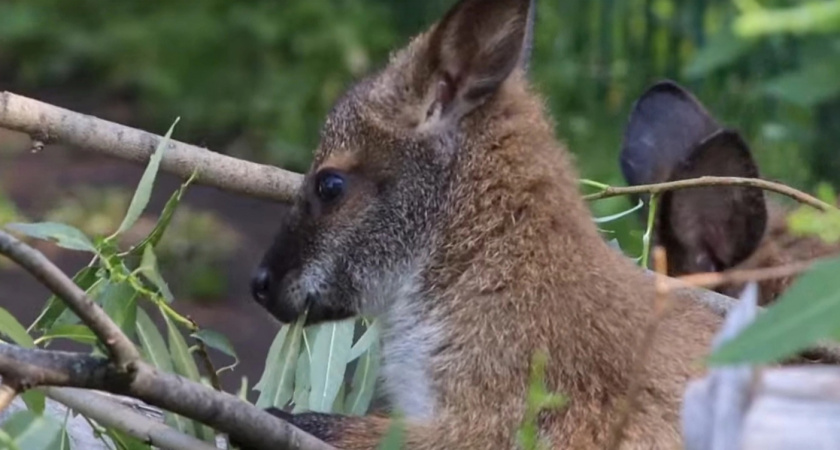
(47, 123)
(711, 280)
(801, 197)
(110, 413)
(220, 410)
(119, 346)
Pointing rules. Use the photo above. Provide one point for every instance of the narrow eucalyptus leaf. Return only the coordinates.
(370, 336)
(364, 382)
(273, 355)
(216, 340)
(278, 390)
(119, 300)
(302, 384)
(9, 326)
(61, 234)
(78, 333)
(185, 365)
(144, 189)
(330, 350)
(149, 269)
(165, 218)
(152, 343)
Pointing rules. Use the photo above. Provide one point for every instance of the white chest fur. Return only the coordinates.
(407, 344)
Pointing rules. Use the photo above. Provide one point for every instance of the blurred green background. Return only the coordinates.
(255, 79)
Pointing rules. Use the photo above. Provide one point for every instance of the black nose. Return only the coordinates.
(261, 285)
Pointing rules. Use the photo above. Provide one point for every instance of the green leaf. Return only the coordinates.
(156, 352)
(216, 340)
(78, 333)
(9, 326)
(149, 269)
(370, 336)
(165, 218)
(185, 366)
(125, 441)
(395, 436)
(55, 306)
(810, 86)
(144, 189)
(330, 349)
(152, 343)
(805, 313)
(61, 234)
(364, 382)
(35, 400)
(302, 383)
(119, 300)
(277, 383)
(30, 431)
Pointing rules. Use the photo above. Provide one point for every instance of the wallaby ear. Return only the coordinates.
(709, 229)
(473, 50)
(666, 123)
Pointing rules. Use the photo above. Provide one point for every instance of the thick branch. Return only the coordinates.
(222, 411)
(779, 188)
(113, 414)
(47, 123)
(120, 347)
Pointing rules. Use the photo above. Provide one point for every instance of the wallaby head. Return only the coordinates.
(440, 200)
(671, 136)
(370, 205)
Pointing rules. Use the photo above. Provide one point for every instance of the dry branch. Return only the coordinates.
(801, 197)
(110, 413)
(46, 123)
(711, 280)
(130, 376)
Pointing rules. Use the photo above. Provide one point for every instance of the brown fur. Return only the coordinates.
(484, 204)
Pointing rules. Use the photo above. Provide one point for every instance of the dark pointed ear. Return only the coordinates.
(665, 124)
(709, 229)
(472, 51)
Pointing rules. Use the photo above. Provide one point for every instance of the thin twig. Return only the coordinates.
(7, 395)
(204, 357)
(660, 308)
(801, 197)
(710, 280)
(47, 123)
(121, 348)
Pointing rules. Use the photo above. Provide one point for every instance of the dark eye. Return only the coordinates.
(329, 186)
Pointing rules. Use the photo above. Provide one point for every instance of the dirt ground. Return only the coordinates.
(32, 180)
